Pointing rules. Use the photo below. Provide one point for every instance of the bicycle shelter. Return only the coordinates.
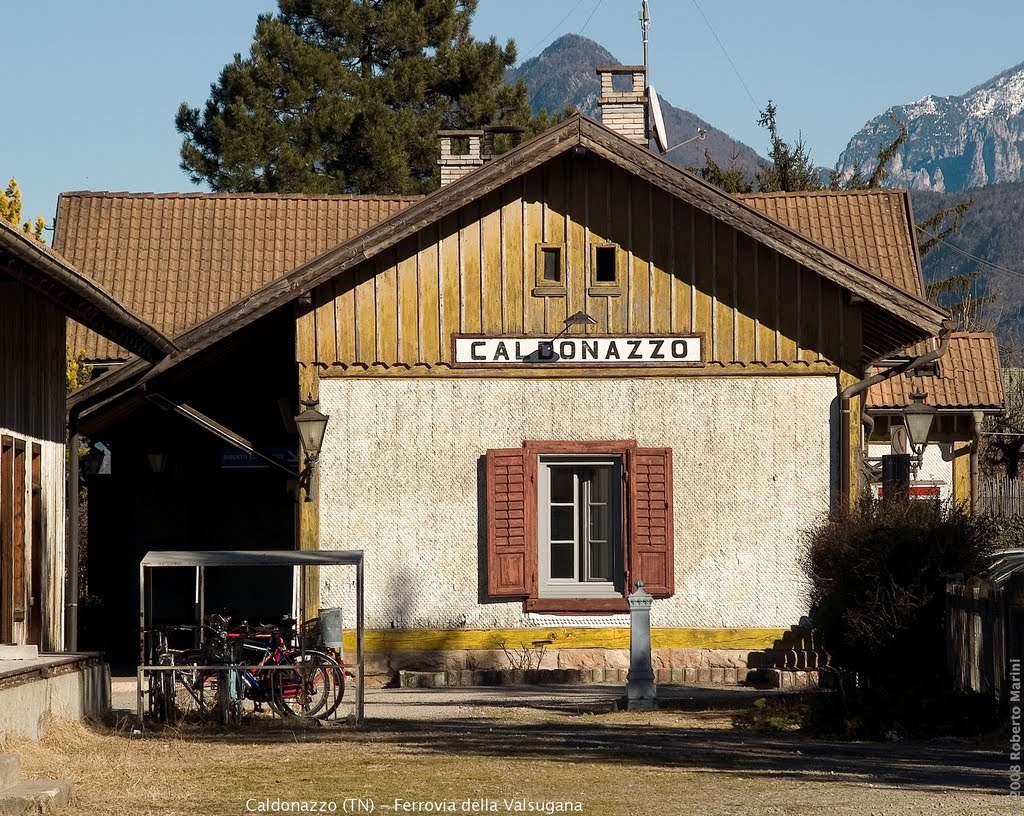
(201, 559)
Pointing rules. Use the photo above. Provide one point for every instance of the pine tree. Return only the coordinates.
(346, 96)
(732, 179)
(790, 168)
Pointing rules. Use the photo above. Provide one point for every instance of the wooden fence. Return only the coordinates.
(984, 632)
(1001, 497)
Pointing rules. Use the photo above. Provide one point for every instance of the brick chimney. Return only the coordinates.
(481, 149)
(455, 165)
(625, 112)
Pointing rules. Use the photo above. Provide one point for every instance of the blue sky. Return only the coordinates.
(92, 87)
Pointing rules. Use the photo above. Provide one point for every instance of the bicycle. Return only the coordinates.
(291, 680)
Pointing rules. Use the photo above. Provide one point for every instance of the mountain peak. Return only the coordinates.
(953, 142)
(564, 74)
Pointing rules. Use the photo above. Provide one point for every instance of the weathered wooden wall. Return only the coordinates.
(32, 353)
(32, 392)
(679, 271)
(983, 632)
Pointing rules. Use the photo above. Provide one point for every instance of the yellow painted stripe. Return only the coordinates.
(391, 640)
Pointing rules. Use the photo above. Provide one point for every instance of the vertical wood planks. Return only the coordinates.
(746, 306)
(364, 280)
(768, 304)
(662, 262)
(513, 277)
(429, 311)
(640, 269)
(724, 246)
(703, 284)
(450, 293)
(619, 194)
(679, 269)
(408, 327)
(385, 288)
(534, 232)
(492, 296)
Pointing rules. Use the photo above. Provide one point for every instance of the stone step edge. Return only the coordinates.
(801, 659)
(465, 678)
(10, 770)
(39, 796)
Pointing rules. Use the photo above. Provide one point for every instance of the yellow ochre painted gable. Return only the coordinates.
(677, 270)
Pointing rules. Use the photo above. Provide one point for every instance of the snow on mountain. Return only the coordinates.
(954, 142)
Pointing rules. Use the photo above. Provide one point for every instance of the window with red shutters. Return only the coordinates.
(520, 525)
(649, 485)
(511, 524)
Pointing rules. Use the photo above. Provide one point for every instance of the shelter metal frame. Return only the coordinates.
(201, 559)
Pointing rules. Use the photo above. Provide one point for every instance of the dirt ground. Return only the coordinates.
(488, 757)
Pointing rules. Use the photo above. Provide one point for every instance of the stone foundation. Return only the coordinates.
(496, 667)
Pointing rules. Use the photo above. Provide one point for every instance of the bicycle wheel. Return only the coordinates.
(196, 690)
(168, 695)
(312, 688)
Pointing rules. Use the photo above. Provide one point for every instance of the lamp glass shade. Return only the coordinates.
(91, 463)
(312, 426)
(917, 417)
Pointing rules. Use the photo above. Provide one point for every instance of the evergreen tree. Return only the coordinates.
(790, 168)
(732, 179)
(347, 96)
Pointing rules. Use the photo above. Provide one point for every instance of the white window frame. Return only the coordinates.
(548, 587)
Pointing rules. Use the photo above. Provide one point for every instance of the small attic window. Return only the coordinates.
(549, 271)
(604, 264)
(552, 260)
(606, 274)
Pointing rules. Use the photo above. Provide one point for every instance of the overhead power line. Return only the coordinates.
(733, 64)
(593, 11)
(553, 30)
(1015, 273)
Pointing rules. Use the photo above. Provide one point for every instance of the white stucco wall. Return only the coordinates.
(401, 473)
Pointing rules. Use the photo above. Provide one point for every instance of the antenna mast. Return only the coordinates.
(645, 27)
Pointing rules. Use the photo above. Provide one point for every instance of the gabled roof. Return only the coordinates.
(969, 378)
(892, 317)
(45, 271)
(873, 228)
(178, 258)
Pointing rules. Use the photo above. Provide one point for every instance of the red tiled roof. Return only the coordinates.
(872, 228)
(969, 378)
(177, 258)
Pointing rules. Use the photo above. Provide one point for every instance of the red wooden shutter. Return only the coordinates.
(511, 523)
(651, 549)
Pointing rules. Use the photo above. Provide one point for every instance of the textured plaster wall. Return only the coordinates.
(402, 473)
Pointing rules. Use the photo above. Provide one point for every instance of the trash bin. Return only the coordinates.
(330, 627)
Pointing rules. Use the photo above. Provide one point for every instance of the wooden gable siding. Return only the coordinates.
(32, 355)
(680, 271)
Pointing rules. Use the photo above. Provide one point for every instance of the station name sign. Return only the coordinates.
(667, 350)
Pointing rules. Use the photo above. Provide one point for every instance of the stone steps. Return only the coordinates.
(32, 798)
(566, 677)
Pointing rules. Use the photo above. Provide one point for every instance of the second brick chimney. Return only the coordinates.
(624, 111)
(481, 149)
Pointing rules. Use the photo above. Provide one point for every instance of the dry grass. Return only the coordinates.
(658, 763)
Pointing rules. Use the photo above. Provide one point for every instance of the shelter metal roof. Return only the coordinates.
(250, 558)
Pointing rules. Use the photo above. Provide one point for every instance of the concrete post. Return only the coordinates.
(641, 693)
